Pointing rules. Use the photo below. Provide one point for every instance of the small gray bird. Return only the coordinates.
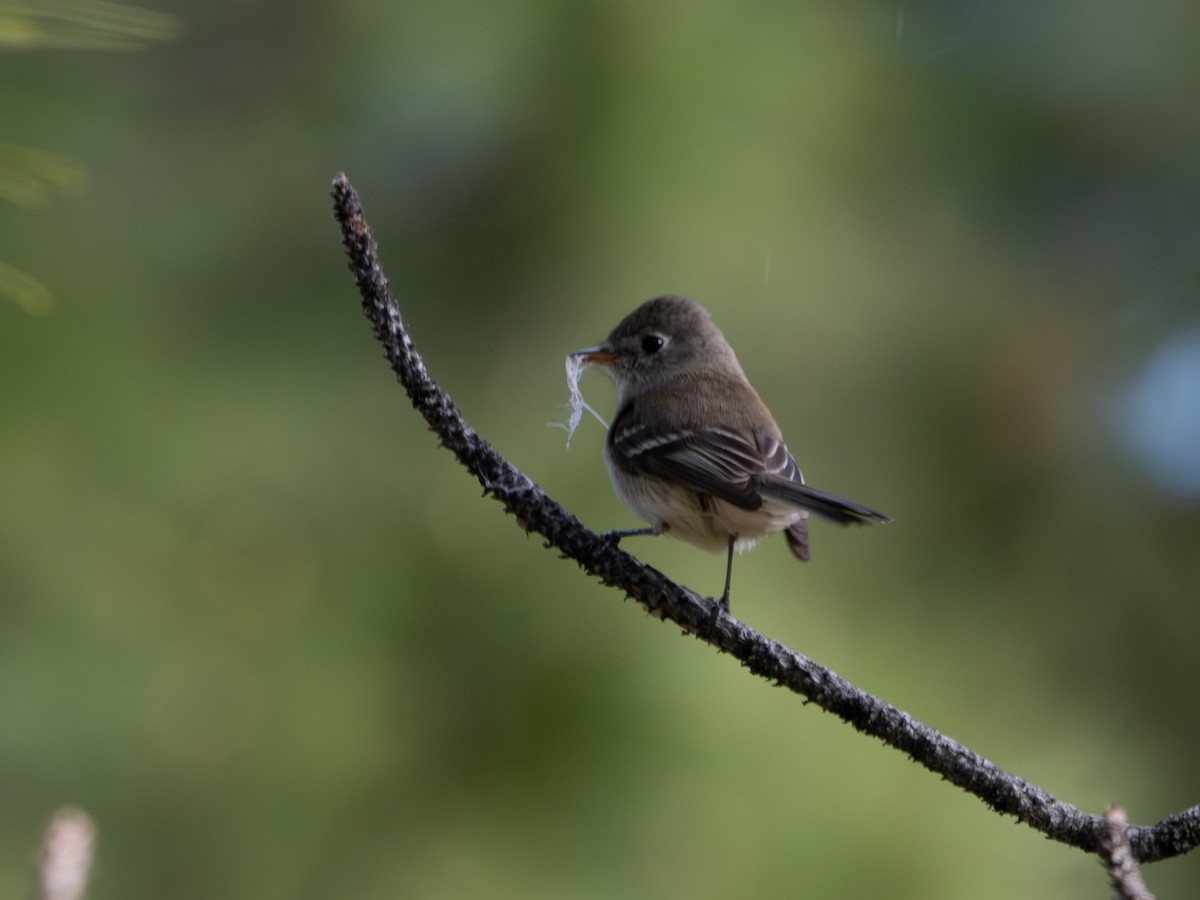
(692, 448)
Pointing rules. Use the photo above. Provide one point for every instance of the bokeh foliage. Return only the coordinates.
(269, 636)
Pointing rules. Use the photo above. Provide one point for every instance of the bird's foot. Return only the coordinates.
(614, 536)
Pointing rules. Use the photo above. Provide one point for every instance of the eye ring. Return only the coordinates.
(652, 343)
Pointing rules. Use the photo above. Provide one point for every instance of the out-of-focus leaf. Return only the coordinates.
(31, 295)
(82, 25)
(30, 177)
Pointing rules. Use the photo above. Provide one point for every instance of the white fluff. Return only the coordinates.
(575, 367)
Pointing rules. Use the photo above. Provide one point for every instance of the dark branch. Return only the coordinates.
(700, 616)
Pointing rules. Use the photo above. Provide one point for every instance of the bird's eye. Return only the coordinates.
(652, 343)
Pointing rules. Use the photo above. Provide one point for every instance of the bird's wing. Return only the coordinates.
(711, 461)
(783, 481)
(824, 504)
(740, 469)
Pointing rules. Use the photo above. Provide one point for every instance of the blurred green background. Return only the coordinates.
(266, 632)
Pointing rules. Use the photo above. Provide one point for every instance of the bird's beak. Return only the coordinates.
(595, 356)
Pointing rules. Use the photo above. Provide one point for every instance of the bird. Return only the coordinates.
(692, 449)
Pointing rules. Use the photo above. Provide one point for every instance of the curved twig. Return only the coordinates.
(702, 617)
(1123, 873)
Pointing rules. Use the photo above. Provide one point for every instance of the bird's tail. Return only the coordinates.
(797, 539)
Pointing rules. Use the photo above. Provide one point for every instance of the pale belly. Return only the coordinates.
(701, 520)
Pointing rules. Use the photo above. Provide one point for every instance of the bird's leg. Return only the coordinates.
(728, 573)
(616, 535)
